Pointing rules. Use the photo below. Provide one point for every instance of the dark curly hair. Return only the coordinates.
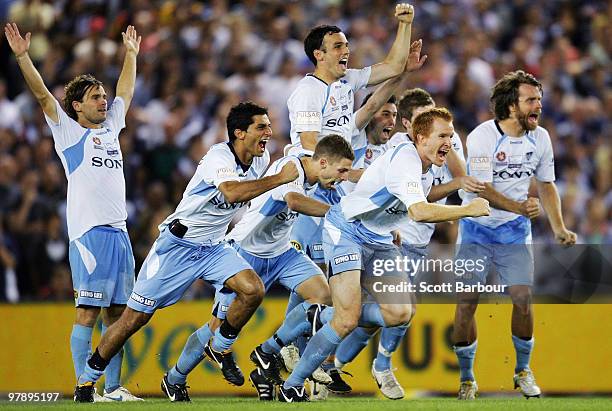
(75, 91)
(505, 92)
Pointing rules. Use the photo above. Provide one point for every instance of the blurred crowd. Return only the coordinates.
(197, 59)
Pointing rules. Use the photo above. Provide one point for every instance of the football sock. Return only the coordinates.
(112, 374)
(390, 338)
(523, 350)
(224, 337)
(192, 355)
(351, 346)
(80, 346)
(465, 355)
(94, 369)
(295, 324)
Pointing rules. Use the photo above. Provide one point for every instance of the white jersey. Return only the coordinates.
(509, 163)
(325, 108)
(93, 164)
(203, 208)
(420, 233)
(265, 229)
(387, 189)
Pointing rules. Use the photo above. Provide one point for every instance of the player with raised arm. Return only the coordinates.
(505, 153)
(86, 136)
(359, 229)
(191, 243)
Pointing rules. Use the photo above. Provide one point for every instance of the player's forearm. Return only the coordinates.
(308, 139)
(36, 84)
(127, 78)
(425, 212)
(378, 99)
(306, 205)
(499, 201)
(549, 197)
(242, 191)
(355, 174)
(440, 191)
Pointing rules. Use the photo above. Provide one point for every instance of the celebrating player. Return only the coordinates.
(505, 153)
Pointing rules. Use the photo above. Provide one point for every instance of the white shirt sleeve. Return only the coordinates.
(219, 166)
(403, 177)
(358, 78)
(66, 132)
(480, 156)
(457, 145)
(295, 186)
(305, 108)
(116, 115)
(545, 170)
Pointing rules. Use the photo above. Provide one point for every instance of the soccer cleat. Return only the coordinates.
(99, 398)
(388, 384)
(290, 354)
(338, 385)
(318, 391)
(269, 364)
(320, 376)
(121, 394)
(468, 390)
(292, 394)
(176, 392)
(526, 382)
(313, 314)
(84, 392)
(227, 364)
(265, 390)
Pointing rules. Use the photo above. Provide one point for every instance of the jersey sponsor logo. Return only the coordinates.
(346, 258)
(90, 294)
(437, 181)
(308, 118)
(395, 211)
(107, 162)
(291, 215)
(296, 244)
(219, 202)
(225, 172)
(333, 122)
(317, 247)
(501, 156)
(413, 187)
(142, 300)
(480, 163)
(506, 175)
(517, 142)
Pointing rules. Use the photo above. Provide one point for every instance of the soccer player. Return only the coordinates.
(505, 153)
(86, 136)
(358, 230)
(191, 244)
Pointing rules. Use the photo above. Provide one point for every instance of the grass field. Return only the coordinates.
(335, 404)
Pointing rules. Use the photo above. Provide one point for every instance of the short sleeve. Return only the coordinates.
(305, 108)
(358, 78)
(66, 132)
(403, 177)
(545, 170)
(295, 186)
(116, 115)
(219, 166)
(480, 156)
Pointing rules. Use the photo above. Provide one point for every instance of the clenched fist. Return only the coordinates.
(404, 13)
(288, 173)
(479, 207)
(531, 207)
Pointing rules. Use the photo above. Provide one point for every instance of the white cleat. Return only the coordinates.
(98, 398)
(290, 355)
(321, 376)
(121, 394)
(468, 390)
(525, 381)
(318, 391)
(388, 384)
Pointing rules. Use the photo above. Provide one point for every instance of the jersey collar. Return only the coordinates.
(322, 81)
(245, 167)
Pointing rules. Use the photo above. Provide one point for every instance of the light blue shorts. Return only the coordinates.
(506, 247)
(173, 264)
(413, 252)
(102, 265)
(290, 269)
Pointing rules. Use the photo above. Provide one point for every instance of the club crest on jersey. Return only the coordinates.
(296, 245)
(501, 156)
(111, 149)
(332, 100)
(369, 153)
(528, 155)
(97, 143)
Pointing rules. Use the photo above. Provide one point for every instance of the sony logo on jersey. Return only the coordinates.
(222, 205)
(395, 210)
(106, 162)
(333, 122)
(286, 216)
(437, 181)
(505, 175)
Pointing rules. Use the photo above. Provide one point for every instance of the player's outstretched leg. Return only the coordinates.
(191, 356)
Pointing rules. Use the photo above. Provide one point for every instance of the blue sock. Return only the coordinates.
(89, 374)
(326, 315)
(112, 374)
(523, 353)
(300, 343)
(352, 345)
(466, 355)
(80, 346)
(319, 347)
(192, 355)
(371, 316)
(390, 338)
(224, 337)
(295, 324)
(294, 301)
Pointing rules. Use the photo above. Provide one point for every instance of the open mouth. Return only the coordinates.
(344, 63)
(442, 153)
(533, 118)
(262, 144)
(386, 133)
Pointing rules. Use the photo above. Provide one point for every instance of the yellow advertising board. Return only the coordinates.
(571, 350)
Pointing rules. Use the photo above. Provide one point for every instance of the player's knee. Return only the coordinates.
(397, 314)
(134, 320)
(345, 322)
(319, 296)
(252, 293)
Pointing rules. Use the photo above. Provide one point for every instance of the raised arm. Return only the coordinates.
(20, 47)
(242, 191)
(306, 205)
(127, 78)
(394, 63)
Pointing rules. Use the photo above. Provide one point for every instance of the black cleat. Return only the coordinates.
(292, 394)
(84, 392)
(313, 314)
(176, 392)
(227, 364)
(265, 390)
(269, 364)
(338, 385)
